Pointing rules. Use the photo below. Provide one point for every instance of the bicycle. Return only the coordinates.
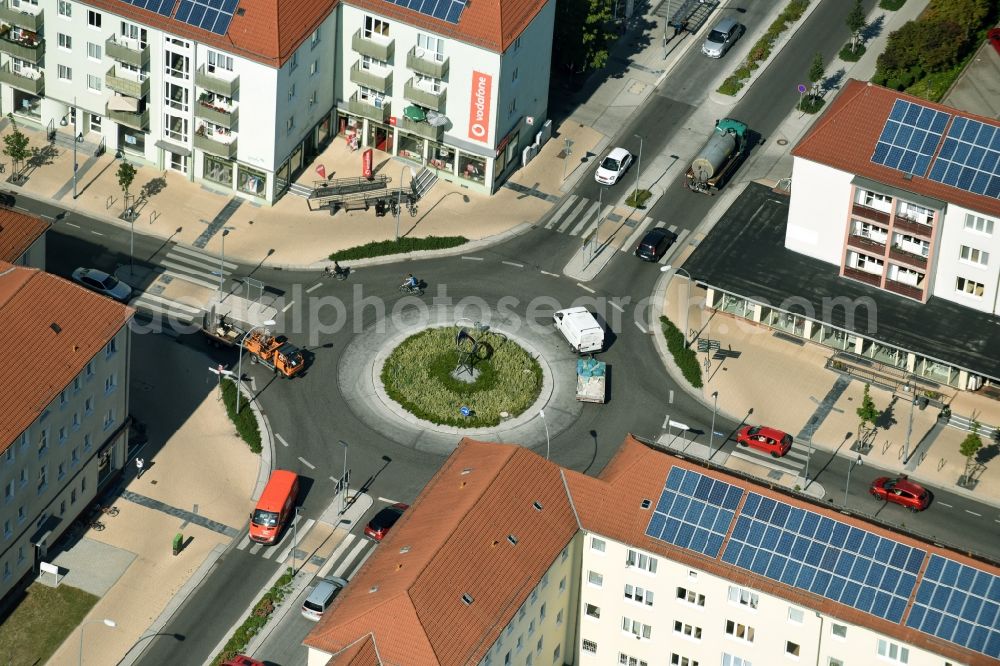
(336, 272)
(414, 290)
(110, 510)
(96, 525)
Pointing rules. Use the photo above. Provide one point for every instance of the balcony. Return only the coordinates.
(373, 47)
(360, 107)
(34, 85)
(371, 79)
(903, 289)
(862, 276)
(424, 98)
(227, 87)
(215, 145)
(30, 49)
(427, 64)
(909, 226)
(866, 244)
(18, 17)
(139, 121)
(126, 86)
(217, 115)
(867, 213)
(421, 129)
(130, 53)
(900, 255)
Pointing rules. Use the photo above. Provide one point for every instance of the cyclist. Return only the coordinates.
(410, 282)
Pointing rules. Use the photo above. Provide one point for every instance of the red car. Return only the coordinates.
(383, 521)
(769, 440)
(902, 491)
(243, 660)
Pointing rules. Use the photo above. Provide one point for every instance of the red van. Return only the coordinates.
(275, 506)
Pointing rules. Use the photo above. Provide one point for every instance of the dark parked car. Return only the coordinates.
(654, 244)
(383, 521)
(7, 199)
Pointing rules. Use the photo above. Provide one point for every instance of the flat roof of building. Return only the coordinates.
(745, 254)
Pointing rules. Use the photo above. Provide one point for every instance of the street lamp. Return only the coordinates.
(638, 168)
(343, 479)
(541, 413)
(295, 537)
(909, 427)
(77, 138)
(107, 623)
(711, 435)
(809, 456)
(687, 296)
(222, 261)
(239, 373)
(854, 463)
(399, 195)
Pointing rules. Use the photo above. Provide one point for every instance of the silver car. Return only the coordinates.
(321, 597)
(722, 37)
(103, 283)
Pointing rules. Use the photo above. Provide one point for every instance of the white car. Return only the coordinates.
(322, 597)
(102, 283)
(613, 166)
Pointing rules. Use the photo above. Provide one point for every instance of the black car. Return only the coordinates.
(654, 244)
(7, 199)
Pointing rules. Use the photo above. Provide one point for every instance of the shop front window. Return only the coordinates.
(411, 147)
(472, 167)
(27, 105)
(217, 170)
(250, 180)
(441, 157)
(131, 140)
(735, 305)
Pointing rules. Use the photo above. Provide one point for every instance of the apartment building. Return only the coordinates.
(506, 558)
(22, 239)
(64, 429)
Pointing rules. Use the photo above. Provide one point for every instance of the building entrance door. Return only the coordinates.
(380, 137)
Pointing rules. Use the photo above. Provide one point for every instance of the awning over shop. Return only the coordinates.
(415, 113)
(121, 103)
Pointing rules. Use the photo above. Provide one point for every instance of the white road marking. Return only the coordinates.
(387, 500)
(341, 547)
(314, 287)
(306, 463)
(244, 542)
(977, 515)
(201, 255)
(280, 439)
(472, 258)
(350, 557)
(585, 288)
(302, 531)
(96, 233)
(670, 399)
(641, 327)
(288, 307)
(513, 263)
(70, 224)
(665, 420)
(616, 306)
(551, 274)
(360, 564)
(945, 504)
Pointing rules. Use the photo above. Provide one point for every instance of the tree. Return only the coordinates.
(126, 174)
(816, 70)
(16, 146)
(969, 448)
(583, 33)
(867, 412)
(969, 15)
(855, 22)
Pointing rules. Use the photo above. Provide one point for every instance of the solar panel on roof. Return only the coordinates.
(211, 15)
(444, 10)
(909, 137)
(824, 556)
(970, 158)
(694, 511)
(960, 604)
(161, 7)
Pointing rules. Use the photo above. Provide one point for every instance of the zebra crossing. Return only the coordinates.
(579, 216)
(192, 266)
(793, 462)
(344, 562)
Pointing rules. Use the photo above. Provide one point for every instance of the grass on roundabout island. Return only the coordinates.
(418, 376)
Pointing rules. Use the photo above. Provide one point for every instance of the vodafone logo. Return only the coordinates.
(479, 106)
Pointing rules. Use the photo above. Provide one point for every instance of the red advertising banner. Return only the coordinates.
(366, 163)
(393, 121)
(479, 107)
(321, 171)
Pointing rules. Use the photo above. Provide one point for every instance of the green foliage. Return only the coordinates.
(855, 22)
(685, 358)
(246, 424)
(41, 621)
(401, 246)
(934, 86)
(816, 69)
(867, 412)
(891, 5)
(761, 50)
(811, 104)
(126, 174)
(417, 375)
(730, 86)
(795, 9)
(259, 616)
(852, 53)
(638, 198)
(968, 15)
(970, 447)
(584, 33)
(16, 145)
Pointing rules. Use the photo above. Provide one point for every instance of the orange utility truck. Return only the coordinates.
(274, 352)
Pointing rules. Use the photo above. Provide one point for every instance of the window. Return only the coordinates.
(520, 613)
(893, 652)
(559, 617)
(512, 107)
(314, 68)
(90, 369)
(531, 627)
(75, 456)
(678, 660)
(8, 454)
(517, 43)
(64, 8)
(291, 92)
(76, 383)
(219, 62)
(739, 595)
(980, 225)
(133, 32)
(111, 383)
(43, 442)
(589, 646)
(630, 661)
(966, 286)
(592, 611)
(974, 255)
(638, 594)
(541, 612)
(740, 631)
(545, 580)
(534, 596)
(293, 62)
(875, 200)
(7, 531)
(65, 73)
(838, 630)
(595, 578)
(88, 405)
(636, 628)
(94, 51)
(430, 47)
(43, 478)
(564, 554)
(687, 630)
(730, 660)
(109, 418)
(93, 83)
(24, 477)
(290, 124)
(644, 562)
(8, 491)
(562, 584)
(513, 75)
(61, 471)
(21, 514)
(86, 442)
(792, 649)
(62, 434)
(110, 349)
(314, 39)
(65, 41)
(93, 18)
(62, 397)
(375, 27)
(597, 544)
(796, 615)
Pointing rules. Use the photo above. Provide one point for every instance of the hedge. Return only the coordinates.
(684, 356)
(398, 246)
(245, 422)
(891, 5)
(259, 616)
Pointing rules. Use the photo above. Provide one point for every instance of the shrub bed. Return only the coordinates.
(638, 198)
(417, 375)
(761, 50)
(684, 356)
(400, 246)
(847, 54)
(891, 5)
(245, 422)
(811, 104)
(259, 616)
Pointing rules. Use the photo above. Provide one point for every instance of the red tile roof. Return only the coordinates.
(455, 538)
(844, 137)
(58, 326)
(268, 32)
(17, 232)
(491, 24)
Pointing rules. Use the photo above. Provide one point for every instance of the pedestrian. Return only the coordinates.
(139, 466)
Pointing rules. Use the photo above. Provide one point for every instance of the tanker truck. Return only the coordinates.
(720, 156)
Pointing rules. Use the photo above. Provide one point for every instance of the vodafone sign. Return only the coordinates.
(479, 107)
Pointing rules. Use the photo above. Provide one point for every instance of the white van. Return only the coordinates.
(580, 329)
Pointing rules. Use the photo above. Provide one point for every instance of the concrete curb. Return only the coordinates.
(266, 441)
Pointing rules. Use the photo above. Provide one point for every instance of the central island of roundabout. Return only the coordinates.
(429, 376)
